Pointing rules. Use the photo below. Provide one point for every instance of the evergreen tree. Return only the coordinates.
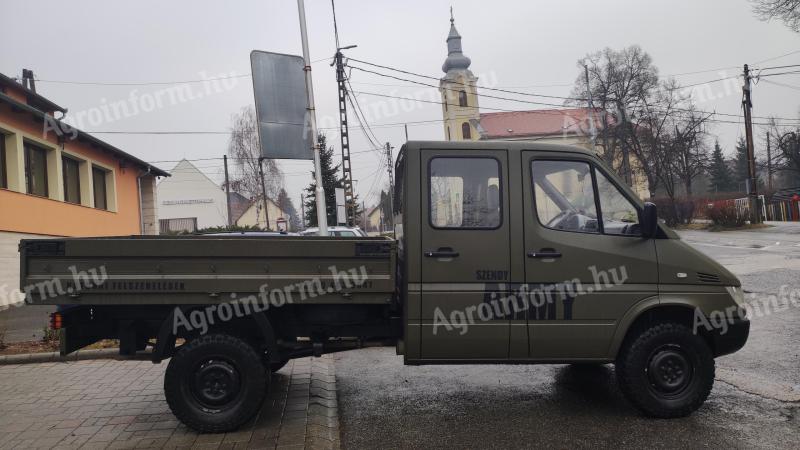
(330, 182)
(740, 174)
(721, 178)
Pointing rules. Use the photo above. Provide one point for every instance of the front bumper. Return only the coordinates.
(731, 339)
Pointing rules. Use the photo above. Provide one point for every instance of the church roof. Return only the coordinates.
(455, 58)
(539, 122)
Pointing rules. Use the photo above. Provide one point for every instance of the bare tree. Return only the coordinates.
(786, 10)
(619, 82)
(244, 151)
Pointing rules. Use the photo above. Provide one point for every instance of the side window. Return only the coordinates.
(564, 196)
(619, 215)
(465, 193)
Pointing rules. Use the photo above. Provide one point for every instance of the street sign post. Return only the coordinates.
(279, 86)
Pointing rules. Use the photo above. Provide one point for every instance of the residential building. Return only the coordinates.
(464, 121)
(254, 215)
(56, 180)
(189, 200)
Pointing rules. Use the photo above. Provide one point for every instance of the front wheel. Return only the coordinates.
(215, 383)
(666, 371)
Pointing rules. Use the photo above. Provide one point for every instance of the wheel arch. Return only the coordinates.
(649, 311)
(252, 327)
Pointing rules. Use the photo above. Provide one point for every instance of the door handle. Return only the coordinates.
(442, 253)
(545, 253)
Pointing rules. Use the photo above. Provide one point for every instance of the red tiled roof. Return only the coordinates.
(540, 122)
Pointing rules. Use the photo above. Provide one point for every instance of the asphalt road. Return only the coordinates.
(755, 402)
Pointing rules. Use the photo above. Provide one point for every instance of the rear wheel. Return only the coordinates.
(215, 383)
(666, 371)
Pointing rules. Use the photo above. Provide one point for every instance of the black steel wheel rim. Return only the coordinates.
(669, 371)
(215, 383)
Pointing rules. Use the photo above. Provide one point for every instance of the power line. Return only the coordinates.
(453, 82)
(515, 92)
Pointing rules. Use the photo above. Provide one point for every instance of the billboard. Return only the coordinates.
(279, 86)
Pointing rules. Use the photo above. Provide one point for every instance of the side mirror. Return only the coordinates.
(649, 220)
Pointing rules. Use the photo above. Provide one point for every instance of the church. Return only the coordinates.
(463, 120)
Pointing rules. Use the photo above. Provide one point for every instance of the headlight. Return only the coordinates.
(737, 295)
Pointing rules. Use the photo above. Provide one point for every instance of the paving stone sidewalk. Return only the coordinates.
(120, 404)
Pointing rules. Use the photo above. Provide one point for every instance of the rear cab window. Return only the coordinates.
(465, 193)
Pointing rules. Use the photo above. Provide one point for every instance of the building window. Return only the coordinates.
(100, 188)
(3, 165)
(465, 131)
(462, 98)
(72, 179)
(36, 170)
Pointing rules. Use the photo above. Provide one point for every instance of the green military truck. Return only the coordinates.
(505, 252)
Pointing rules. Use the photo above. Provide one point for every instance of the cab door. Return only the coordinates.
(586, 262)
(465, 253)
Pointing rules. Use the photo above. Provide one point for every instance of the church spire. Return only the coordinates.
(455, 58)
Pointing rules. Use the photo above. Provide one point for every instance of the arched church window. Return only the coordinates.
(462, 98)
(465, 130)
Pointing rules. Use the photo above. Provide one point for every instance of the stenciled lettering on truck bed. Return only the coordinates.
(146, 286)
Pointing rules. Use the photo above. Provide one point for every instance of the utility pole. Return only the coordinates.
(347, 171)
(227, 188)
(769, 165)
(389, 167)
(319, 192)
(592, 129)
(752, 188)
(263, 191)
(405, 126)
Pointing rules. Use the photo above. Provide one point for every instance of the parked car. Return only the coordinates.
(336, 231)
(252, 233)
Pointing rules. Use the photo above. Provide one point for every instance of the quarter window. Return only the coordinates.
(72, 182)
(36, 170)
(100, 188)
(465, 193)
(564, 196)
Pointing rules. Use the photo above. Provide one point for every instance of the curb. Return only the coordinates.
(80, 355)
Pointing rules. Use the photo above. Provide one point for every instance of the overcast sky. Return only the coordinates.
(530, 46)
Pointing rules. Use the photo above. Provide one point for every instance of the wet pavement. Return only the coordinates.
(755, 402)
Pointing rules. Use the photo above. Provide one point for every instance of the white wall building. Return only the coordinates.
(189, 200)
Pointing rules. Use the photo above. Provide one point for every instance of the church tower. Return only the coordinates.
(459, 93)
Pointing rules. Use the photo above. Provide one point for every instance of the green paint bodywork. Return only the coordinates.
(653, 274)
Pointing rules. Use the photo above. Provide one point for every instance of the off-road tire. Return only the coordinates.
(653, 362)
(196, 372)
